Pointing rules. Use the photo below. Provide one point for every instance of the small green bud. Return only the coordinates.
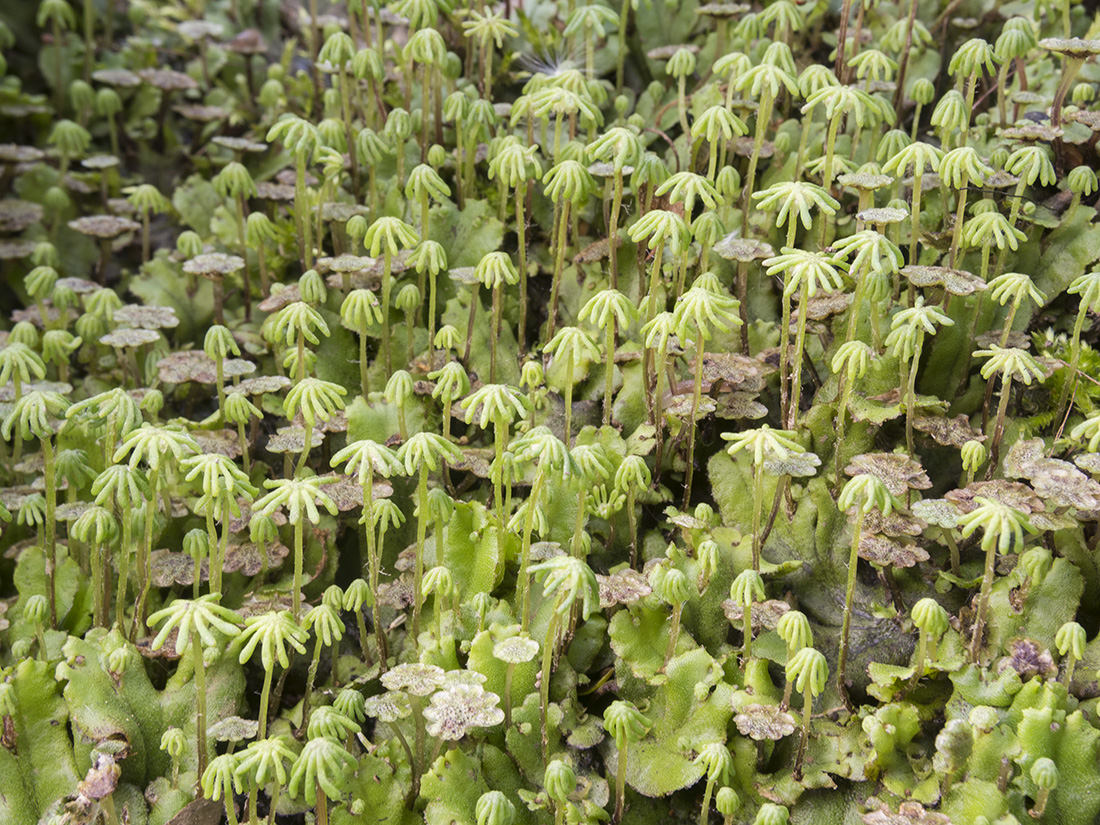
(930, 617)
(312, 288)
(728, 802)
(747, 588)
(1044, 773)
(219, 343)
(173, 742)
(923, 91)
(674, 587)
(772, 814)
(1071, 639)
(494, 808)
(196, 543)
(37, 609)
(531, 375)
(189, 244)
(973, 455)
(560, 781)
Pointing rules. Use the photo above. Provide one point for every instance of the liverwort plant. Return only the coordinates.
(316, 401)
(631, 478)
(98, 527)
(300, 498)
(494, 271)
(746, 589)
(1014, 287)
(513, 651)
(321, 772)
(575, 348)
(272, 631)
(612, 312)
(958, 169)
(863, 493)
(451, 384)
(500, 405)
(921, 158)
(568, 185)
(1087, 288)
(195, 621)
(387, 236)
(932, 621)
(220, 780)
(1011, 364)
(794, 629)
(717, 761)
(301, 139)
(659, 228)
(218, 345)
(1002, 527)
(673, 587)
(804, 273)
(364, 459)
(429, 259)
(763, 443)
(222, 484)
(560, 782)
(850, 363)
(515, 166)
(359, 311)
(293, 326)
(1070, 641)
(626, 725)
(553, 462)
(763, 81)
(422, 454)
(264, 763)
(568, 583)
(399, 391)
(36, 415)
(324, 622)
(908, 329)
(809, 672)
(488, 28)
(622, 148)
(699, 312)
(161, 449)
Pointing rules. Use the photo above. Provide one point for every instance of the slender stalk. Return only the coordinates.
(763, 118)
(983, 601)
(568, 402)
(200, 699)
(999, 427)
(757, 507)
(559, 264)
(311, 678)
(508, 695)
(1074, 360)
(849, 595)
(522, 583)
(799, 347)
(609, 371)
(807, 713)
(693, 424)
(50, 528)
(620, 785)
(521, 231)
(421, 534)
(548, 651)
(296, 598)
